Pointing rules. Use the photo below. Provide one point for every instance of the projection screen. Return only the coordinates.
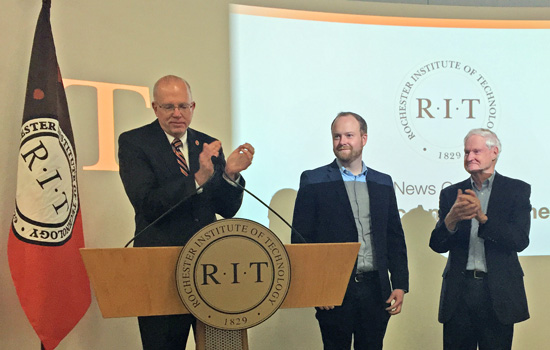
(421, 84)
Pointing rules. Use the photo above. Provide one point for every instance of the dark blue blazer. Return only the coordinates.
(154, 183)
(323, 214)
(506, 233)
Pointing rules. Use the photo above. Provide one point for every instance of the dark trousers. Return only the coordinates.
(362, 317)
(474, 322)
(165, 332)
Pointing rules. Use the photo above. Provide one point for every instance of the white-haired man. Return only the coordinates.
(483, 223)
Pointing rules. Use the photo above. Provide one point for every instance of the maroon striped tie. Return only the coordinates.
(176, 144)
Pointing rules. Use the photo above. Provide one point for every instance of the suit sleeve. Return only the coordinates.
(509, 228)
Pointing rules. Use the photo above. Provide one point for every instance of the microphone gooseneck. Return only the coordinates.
(298, 234)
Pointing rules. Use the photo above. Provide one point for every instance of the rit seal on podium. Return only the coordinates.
(233, 274)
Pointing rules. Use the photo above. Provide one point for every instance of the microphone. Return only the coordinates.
(218, 164)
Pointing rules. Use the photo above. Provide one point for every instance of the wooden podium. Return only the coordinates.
(131, 282)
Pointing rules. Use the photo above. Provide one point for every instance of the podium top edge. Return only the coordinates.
(180, 247)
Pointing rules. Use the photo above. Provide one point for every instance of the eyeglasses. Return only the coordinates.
(182, 107)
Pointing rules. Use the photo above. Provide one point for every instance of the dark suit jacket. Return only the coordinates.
(506, 233)
(154, 183)
(323, 214)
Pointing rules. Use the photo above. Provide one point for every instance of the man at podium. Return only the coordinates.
(179, 173)
(346, 201)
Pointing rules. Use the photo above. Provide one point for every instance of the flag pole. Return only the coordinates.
(46, 231)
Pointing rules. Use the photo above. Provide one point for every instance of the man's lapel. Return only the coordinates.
(194, 148)
(497, 198)
(339, 193)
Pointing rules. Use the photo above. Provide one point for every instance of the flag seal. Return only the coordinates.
(47, 193)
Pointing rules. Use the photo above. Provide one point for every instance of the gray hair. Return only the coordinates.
(491, 139)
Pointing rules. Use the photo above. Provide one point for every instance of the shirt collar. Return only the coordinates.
(345, 171)
(486, 184)
(171, 138)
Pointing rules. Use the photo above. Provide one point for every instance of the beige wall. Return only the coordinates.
(134, 43)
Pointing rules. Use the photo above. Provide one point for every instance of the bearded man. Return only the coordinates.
(346, 201)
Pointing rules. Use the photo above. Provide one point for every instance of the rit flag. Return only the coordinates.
(46, 231)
